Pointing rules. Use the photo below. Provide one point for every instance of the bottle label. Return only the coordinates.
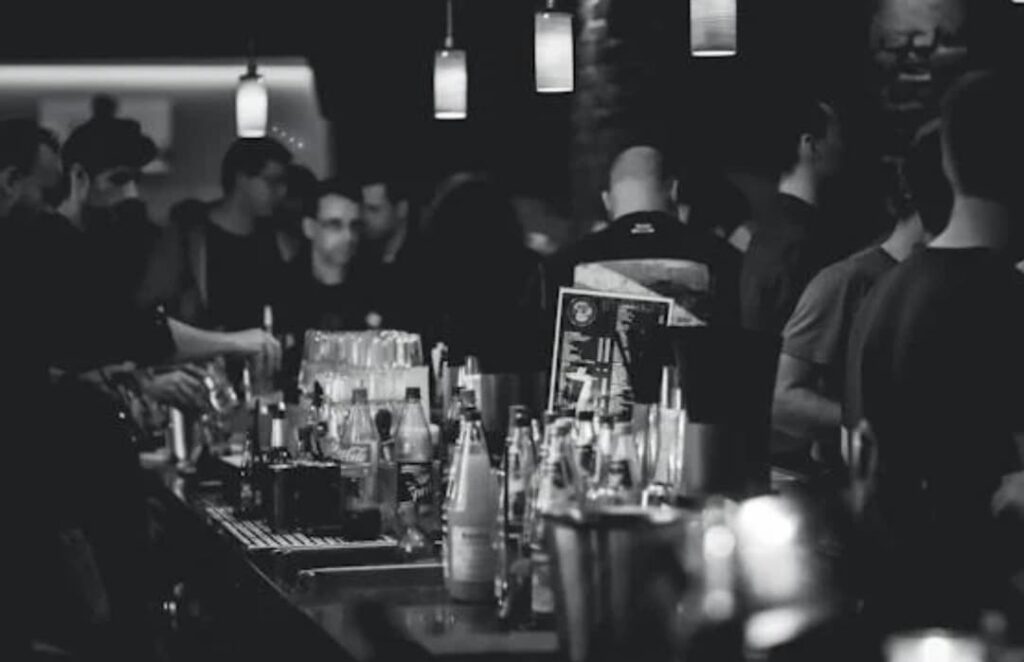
(472, 554)
(542, 598)
(414, 482)
(618, 474)
(360, 454)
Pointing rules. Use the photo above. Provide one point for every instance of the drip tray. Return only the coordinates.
(256, 536)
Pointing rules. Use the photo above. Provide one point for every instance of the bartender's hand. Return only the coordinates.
(178, 388)
(1010, 495)
(257, 342)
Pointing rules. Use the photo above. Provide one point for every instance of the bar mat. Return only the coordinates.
(255, 535)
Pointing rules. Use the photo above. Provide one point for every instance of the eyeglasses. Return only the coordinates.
(338, 224)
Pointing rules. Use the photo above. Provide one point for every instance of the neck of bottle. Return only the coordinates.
(277, 433)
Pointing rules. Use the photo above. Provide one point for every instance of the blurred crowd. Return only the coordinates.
(917, 335)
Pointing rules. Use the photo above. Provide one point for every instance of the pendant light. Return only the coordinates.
(713, 28)
(552, 50)
(450, 79)
(251, 102)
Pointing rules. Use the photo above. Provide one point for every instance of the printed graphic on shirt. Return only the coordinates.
(686, 282)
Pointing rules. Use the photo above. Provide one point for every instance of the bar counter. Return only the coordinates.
(303, 596)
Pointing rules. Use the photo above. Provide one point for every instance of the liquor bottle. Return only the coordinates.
(472, 508)
(553, 489)
(626, 448)
(359, 454)
(250, 501)
(279, 453)
(414, 458)
(614, 486)
(313, 428)
(605, 447)
(585, 447)
(514, 473)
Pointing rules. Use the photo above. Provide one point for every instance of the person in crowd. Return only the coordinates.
(646, 244)
(710, 203)
(299, 204)
(810, 381)
(325, 287)
(69, 320)
(392, 250)
(482, 287)
(934, 368)
(117, 233)
(794, 241)
(216, 264)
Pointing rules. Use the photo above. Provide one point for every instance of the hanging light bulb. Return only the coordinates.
(713, 28)
(450, 79)
(251, 102)
(552, 50)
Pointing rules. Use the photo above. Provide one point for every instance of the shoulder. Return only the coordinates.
(190, 212)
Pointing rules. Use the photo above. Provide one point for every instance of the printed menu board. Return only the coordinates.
(597, 336)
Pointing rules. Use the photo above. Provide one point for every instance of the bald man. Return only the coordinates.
(647, 250)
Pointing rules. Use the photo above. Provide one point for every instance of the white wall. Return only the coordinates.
(202, 117)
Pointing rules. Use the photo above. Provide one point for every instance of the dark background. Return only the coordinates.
(373, 63)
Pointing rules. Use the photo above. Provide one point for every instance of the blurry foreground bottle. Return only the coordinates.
(472, 508)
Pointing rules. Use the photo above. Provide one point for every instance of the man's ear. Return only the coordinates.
(308, 227)
(606, 200)
(80, 180)
(673, 190)
(807, 147)
(9, 177)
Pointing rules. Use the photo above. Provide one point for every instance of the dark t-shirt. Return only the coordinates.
(936, 365)
(699, 270)
(789, 246)
(236, 285)
(819, 330)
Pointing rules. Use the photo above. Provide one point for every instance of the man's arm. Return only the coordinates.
(799, 409)
(192, 344)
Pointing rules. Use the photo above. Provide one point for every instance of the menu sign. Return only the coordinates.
(595, 334)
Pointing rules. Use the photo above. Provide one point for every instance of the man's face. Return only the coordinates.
(335, 231)
(381, 215)
(111, 187)
(265, 190)
(830, 149)
(41, 186)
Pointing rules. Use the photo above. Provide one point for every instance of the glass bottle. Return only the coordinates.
(514, 473)
(472, 509)
(585, 447)
(416, 497)
(359, 454)
(279, 453)
(552, 490)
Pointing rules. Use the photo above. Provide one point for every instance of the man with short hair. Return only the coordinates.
(646, 245)
(810, 380)
(216, 264)
(793, 242)
(392, 252)
(935, 368)
(30, 169)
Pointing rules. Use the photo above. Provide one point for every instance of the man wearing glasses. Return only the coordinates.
(325, 287)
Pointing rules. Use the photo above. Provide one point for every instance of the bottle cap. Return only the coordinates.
(550, 417)
(412, 393)
(278, 411)
(522, 418)
(585, 415)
